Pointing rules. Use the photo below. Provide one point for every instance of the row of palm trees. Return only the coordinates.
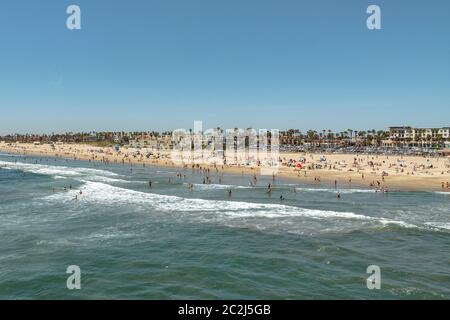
(327, 136)
(291, 135)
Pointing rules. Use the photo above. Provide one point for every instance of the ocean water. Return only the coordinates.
(167, 242)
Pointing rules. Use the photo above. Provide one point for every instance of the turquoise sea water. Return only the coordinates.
(166, 242)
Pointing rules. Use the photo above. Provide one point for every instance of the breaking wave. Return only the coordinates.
(335, 190)
(54, 170)
(268, 215)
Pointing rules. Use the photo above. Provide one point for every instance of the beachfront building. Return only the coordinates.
(152, 141)
(401, 133)
(445, 133)
(417, 137)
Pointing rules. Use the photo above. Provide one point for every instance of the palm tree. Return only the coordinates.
(351, 133)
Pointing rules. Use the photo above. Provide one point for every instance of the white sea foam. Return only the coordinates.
(439, 225)
(218, 186)
(107, 195)
(63, 172)
(344, 191)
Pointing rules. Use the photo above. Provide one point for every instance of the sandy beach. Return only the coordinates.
(338, 170)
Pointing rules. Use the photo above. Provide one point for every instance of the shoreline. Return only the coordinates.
(403, 173)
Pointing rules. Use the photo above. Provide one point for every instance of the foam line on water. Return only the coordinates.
(335, 190)
(439, 225)
(51, 170)
(105, 194)
(218, 186)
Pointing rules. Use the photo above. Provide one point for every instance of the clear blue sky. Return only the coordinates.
(161, 64)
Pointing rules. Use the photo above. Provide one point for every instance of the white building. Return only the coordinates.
(445, 133)
(402, 133)
(409, 133)
(162, 142)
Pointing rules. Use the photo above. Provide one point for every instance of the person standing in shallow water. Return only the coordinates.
(229, 193)
(149, 183)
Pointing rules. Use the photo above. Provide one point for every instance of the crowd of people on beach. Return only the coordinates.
(379, 170)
